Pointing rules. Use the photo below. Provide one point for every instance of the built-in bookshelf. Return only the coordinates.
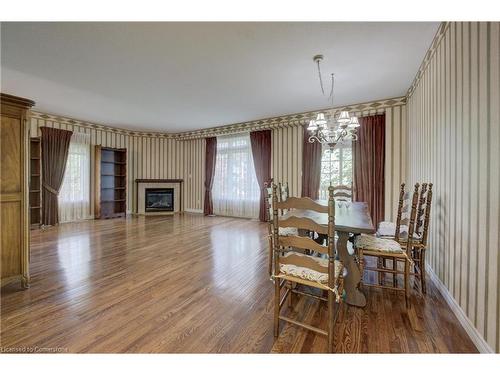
(110, 182)
(35, 184)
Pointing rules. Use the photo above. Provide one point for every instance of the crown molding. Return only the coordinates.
(90, 125)
(295, 119)
(428, 56)
(290, 120)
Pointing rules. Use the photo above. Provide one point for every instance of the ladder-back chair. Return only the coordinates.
(298, 268)
(388, 230)
(385, 248)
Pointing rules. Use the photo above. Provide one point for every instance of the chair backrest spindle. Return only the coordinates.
(269, 211)
(419, 224)
(427, 217)
(331, 238)
(411, 225)
(400, 211)
(276, 243)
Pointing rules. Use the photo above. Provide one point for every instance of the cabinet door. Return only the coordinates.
(11, 238)
(11, 169)
(11, 155)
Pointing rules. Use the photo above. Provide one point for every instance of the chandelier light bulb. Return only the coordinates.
(354, 122)
(320, 119)
(344, 117)
(312, 126)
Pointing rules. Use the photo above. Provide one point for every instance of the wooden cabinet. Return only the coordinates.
(14, 167)
(110, 182)
(35, 182)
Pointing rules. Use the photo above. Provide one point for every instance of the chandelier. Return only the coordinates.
(335, 128)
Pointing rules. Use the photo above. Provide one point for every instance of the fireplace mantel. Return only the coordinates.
(142, 183)
(156, 180)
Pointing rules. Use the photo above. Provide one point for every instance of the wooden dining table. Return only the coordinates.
(350, 218)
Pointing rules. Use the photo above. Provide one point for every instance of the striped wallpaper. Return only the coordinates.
(454, 137)
(395, 158)
(286, 163)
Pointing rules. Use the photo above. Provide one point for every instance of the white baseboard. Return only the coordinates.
(478, 340)
(193, 211)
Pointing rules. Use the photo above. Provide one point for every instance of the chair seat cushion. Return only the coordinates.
(388, 230)
(308, 267)
(404, 237)
(367, 242)
(288, 231)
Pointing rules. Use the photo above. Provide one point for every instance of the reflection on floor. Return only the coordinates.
(192, 284)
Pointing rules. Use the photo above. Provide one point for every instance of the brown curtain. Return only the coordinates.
(55, 146)
(211, 155)
(261, 151)
(369, 157)
(311, 167)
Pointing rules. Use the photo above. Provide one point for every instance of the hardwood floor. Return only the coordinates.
(193, 284)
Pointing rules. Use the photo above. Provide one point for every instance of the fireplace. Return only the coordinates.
(172, 186)
(159, 199)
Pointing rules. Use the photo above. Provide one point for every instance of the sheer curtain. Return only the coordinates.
(235, 190)
(74, 196)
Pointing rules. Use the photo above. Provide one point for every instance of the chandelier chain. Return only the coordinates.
(320, 78)
(331, 90)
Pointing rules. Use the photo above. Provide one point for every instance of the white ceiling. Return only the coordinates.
(184, 76)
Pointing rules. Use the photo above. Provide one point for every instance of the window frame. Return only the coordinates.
(240, 203)
(341, 147)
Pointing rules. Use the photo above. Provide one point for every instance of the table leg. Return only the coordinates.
(351, 282)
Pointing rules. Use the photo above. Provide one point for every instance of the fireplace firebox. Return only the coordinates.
(159, 199)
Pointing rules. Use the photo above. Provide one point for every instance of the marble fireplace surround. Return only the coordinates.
(143, 184)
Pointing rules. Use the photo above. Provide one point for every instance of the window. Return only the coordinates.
(336, 167)
(74, 196)
(235, 191)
